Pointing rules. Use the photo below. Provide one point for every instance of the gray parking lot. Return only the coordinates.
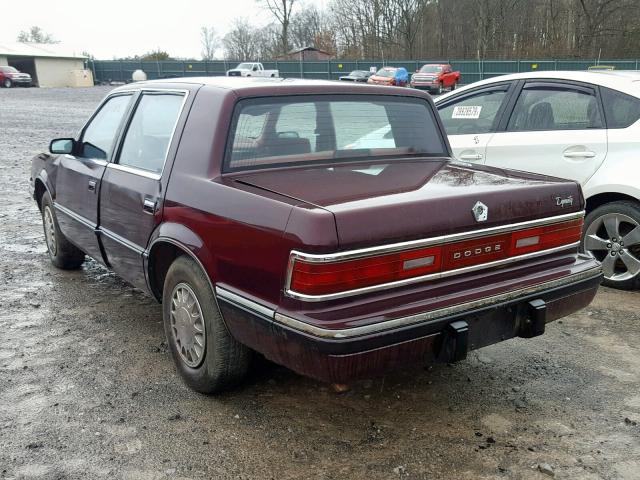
(88, 388)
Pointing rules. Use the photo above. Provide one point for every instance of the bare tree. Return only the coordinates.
(281, 10)
(36, 35)
(242, 42)
(210, 42)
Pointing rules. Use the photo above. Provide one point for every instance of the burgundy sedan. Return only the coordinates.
(270, 216)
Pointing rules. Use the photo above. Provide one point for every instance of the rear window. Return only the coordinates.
(620, 109)
(338, 128)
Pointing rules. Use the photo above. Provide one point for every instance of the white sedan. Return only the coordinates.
(579, 125)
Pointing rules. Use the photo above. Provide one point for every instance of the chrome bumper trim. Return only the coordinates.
(433, 314)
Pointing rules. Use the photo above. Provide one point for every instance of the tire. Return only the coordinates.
(612, 235)
(454, 86)
(440, 89)
(62, 252)
(207, 357)
(7, 83)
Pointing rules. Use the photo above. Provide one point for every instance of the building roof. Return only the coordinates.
(306, 49)
(54, 50)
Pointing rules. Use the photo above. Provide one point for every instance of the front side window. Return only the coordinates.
(472, 115)
(290, 130)
(99, 136)
(621, 110)
(555, 108)
(149, 134)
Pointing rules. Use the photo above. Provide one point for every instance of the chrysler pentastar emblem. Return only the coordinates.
(480, 211)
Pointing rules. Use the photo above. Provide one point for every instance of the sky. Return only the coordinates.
(121, 28)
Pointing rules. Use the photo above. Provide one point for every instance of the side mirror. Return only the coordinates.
(62, 146)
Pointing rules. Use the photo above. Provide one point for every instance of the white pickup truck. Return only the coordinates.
(251, 70)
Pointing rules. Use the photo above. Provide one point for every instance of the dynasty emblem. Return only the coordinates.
(564, 202)
(480, 212)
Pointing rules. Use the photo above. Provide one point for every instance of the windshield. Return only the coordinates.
(8, 70)
(431, 69)
(337, 128)
(386, 72)
(245, 66)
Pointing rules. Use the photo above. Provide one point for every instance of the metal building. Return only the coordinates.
(50, 65)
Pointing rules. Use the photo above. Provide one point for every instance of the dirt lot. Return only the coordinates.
(88, 389)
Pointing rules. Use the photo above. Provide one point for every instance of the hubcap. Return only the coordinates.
(187, 325)
(614, 239)
(50, 231)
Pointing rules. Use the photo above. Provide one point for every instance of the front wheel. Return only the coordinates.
(612, 236)
(63, 254)
(207, 357)
(440, 89)
(7, 83)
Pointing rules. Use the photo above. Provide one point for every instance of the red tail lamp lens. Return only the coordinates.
(322, 278)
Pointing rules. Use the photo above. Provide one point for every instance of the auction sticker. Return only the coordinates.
(467, 111)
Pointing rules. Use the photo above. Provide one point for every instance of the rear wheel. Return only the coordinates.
(7, 83)
(63, 254)
(612, 235)
(207, 357)
(454, 86)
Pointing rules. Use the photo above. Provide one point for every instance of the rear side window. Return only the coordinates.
(621, 110)
(149, 134)
(555, 108)
(307, 129)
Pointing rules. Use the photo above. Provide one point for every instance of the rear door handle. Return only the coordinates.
(92, 185)
(471, 156)
(149, 206)
(580, 154)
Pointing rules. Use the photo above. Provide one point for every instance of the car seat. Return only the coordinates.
(541, 117)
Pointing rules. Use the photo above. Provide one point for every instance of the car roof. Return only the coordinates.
(627, 81)
(255, 86)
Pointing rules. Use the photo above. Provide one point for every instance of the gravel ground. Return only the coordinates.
(88, 389)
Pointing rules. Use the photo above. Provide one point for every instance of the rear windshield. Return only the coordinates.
(337, 128)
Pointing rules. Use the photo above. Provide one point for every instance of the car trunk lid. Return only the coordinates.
(383, 202)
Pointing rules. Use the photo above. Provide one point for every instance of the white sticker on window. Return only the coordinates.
(467, 111)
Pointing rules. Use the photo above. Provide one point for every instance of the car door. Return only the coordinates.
(133, 184)
(471, 118)
(555, 128)
(78, 176)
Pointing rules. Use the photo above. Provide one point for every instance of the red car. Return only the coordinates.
(243, 206)
(11, 77)
(391, 76)
(436, 78)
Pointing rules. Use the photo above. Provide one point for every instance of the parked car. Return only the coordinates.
(240, 207)
(436, 78)
(392, 76)
(357, 76)
(251, 69)
(11, 77)
(578, 125)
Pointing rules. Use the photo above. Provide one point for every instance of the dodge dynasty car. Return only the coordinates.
(245, 208)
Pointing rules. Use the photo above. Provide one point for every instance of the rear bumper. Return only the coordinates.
(446, 334)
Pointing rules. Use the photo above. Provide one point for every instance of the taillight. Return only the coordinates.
(313, 278)
(392, 82)
(330, 277)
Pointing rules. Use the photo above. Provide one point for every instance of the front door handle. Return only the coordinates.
(149, 206)
(92, 185)
(580, 154)
(471, 156)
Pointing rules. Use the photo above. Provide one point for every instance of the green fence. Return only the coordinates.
(471, 70)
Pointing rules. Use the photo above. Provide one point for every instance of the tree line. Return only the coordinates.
(456, 29)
